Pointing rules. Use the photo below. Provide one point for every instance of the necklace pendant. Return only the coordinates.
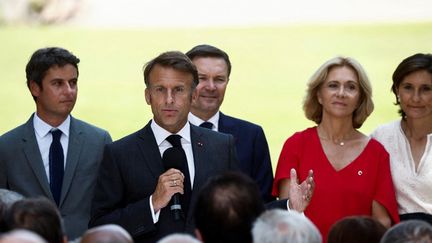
(341, 143)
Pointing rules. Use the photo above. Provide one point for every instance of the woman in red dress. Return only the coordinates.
(351, 170)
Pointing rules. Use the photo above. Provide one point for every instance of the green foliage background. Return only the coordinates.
(270, 68)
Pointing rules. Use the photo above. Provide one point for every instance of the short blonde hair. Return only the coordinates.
(313, 109)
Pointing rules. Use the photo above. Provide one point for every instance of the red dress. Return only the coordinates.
(347, 192)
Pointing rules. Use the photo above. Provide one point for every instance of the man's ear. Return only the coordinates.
(35, 89)
(147, 96)
(198, 235)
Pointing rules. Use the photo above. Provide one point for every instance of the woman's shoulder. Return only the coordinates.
(385, 130)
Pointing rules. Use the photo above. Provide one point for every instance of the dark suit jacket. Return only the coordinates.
(129, 174)
(22, 170)
(252, 150)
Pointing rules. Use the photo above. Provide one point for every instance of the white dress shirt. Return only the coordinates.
(44, 139)
(197, 121)
(160, 135)
(413, 187)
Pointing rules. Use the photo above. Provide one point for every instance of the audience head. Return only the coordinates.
(356, 229)
(109, 233)
(21, 236)
(313, 109)
(226, 208)
(415, 63)
(178, 238)
(44, 59)
(410, 231)
(281, 226)
(7, 198)
(39, 215)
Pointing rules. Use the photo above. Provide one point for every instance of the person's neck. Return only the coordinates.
(339, 131)
(417, 128)
(203, 115)
(51, 120)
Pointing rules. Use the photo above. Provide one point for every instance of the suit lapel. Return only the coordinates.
(199, 144)
(76, 143)
(150, 150)
(33, 155)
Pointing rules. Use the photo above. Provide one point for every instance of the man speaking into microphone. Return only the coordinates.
(135, 186)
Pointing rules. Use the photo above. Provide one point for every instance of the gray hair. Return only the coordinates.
(8, 197)
(108, 233)
(178, 238)
(410, 231)
(21, 235)
(280, 226)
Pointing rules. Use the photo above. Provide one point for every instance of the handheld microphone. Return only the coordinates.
(172, 158)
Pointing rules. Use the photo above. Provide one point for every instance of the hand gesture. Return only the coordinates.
(300, 194)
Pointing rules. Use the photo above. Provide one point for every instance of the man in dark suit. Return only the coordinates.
(63, 167)
(135, 187)
(214, 68)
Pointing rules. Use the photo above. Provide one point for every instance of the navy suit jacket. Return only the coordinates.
(129, 174)
(22, 169)
(252, 151)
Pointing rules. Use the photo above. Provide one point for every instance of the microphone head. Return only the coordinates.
(172, 158)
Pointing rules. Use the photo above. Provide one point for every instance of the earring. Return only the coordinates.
(398, 98)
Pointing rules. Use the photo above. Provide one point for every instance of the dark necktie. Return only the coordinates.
(207, 125)
(174, 140)
(56, 165)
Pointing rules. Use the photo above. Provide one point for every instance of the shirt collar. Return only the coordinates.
(161, 134)
(42, 128)
(197, 121)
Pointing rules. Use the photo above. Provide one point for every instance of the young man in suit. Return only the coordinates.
(54, 154)
(214, 68)
(135, 188)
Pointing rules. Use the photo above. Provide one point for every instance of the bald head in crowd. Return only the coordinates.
(21, 236)
(109, 233)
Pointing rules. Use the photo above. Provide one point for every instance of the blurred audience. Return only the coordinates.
(21, 236)
(178, 238)
(109, 233)
(7, 198)
(356, 229)
(409, 231)
(226, 208)
(39, 215)
(409, 139)
(279, 226)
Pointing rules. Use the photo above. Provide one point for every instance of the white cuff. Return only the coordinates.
(155, 216)
(289, 209)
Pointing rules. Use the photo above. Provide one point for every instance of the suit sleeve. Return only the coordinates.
(263, 172)
(111, 203)
(234, 162)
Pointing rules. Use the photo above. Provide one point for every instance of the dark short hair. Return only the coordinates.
(356, 229)
(209, 51)
(39, 215)
(172, 59)
(416, 62)
(45, 58)
(226, 208)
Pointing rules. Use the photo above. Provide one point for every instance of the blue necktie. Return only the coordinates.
(174, 140)
(56, 165)
(207, 125)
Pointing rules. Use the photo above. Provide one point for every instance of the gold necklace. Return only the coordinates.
(339, 142)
